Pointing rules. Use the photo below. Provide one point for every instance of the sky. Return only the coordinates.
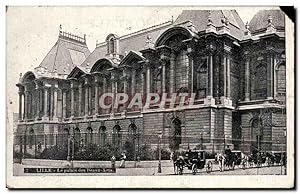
(32, 31)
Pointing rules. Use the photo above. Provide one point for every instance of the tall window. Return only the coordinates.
(102, 132)
(31, 138)
(156, 79)
(201, 78)
(260, 81)
(181, 71)
(176, 134)
(138, 81)
(77, 135)
(116, 136)
(281, 79)
(89, 135)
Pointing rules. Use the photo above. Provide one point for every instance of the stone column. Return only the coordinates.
(86, 106)
(247, 76)
(24, 111)
(37, 98)
(133, 82)
(125, 80)
(72, 99)
(125, 84)
(41, 101)
(32, 105)
(113, 90)
(148, 79)
(163, 76)
(104, 87)
(191, 71)
(90, 99)
(96, 95)
(275, 78)
(79, 99)
(26, 108)
(64, 105)
(270, 75)
(143, 83)
(21, 93)
(46, 115)
(228, 78)
(224, 64)
(210, 75)
(55, 102)
(172, 71)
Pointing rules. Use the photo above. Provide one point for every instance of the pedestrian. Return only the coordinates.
(81, 145)
(113, 163)
(39, 146)
(123, 158)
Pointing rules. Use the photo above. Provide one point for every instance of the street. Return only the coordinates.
(152, 171)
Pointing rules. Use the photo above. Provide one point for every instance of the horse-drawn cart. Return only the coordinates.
(193, 160)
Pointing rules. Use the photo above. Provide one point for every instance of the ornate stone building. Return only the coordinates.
(237, 72)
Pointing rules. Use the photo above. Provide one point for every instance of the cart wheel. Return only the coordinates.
(194, 169)
(244, 165)
(179, 170)
(209, 167)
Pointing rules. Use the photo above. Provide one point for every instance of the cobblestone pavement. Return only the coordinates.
(167, 171)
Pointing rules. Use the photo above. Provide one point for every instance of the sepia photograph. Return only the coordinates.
(188, 94)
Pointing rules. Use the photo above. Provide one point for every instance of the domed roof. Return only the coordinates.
(260, 20)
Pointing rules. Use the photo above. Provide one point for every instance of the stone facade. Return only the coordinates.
(236, 71)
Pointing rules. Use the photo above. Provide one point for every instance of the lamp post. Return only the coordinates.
(134, 148)
(284, 158)
(69, 144)
(159, 151)
(73, 150)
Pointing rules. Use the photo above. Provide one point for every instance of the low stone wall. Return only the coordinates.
(94, 164)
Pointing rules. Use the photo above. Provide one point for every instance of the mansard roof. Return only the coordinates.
(138, 40)
(135, 41)
(199, 18)
(69, 51)
(260, 20)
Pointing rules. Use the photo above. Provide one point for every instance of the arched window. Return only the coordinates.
(89, 135)
(116, 136)
(256, 132)
(77, 135)
(176, 134)
(260, 81)
(102, 132)
(132, 129)
(111, 45)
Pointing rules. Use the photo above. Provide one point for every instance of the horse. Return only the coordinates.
(244, 160)
(230, 160)
(174, 159)
(220, 158)
(179, 165)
